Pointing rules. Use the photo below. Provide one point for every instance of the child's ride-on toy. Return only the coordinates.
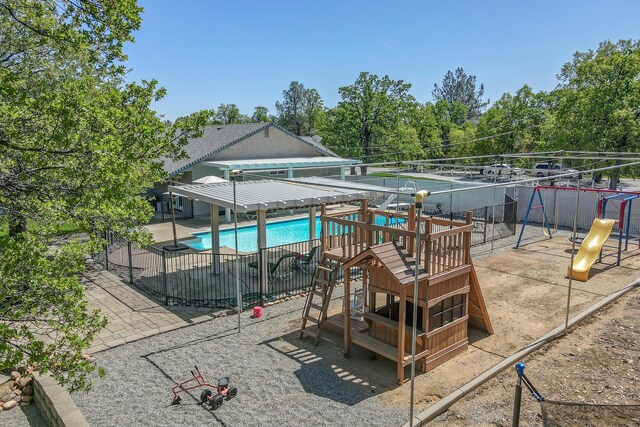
(214, 396)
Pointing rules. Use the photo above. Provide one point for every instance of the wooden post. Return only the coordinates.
(368, 218)
(364, 207)
(323, 224)
(365, 286)
(347, 313)
(427, 247)
(411, 226)
(368, 234)
(467, 238)
(402, 319)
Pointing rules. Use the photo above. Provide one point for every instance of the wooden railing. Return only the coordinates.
(348, 233)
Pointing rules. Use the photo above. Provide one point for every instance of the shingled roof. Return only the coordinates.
(216, 138)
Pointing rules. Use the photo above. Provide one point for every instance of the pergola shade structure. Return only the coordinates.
(281, 163)
(264, 195)
(267, 195)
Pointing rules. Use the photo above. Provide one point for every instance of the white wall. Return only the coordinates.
(563, 204)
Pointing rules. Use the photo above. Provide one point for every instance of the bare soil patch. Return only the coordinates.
(597, 363)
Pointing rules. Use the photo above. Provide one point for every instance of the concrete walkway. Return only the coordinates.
(131, 314)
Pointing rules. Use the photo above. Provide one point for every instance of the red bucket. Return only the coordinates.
(257, 312)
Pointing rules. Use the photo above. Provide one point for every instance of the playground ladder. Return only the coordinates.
(322, 284)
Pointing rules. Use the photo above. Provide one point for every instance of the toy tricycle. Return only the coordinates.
(214, 396)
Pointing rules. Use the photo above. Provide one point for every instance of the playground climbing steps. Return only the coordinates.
(318, 298)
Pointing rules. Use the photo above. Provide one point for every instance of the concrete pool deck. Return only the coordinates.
(285, 380)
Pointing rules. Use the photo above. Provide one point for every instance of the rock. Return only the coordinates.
(27, 390)
(9, 405)
(7, 396)
(444, 416)
(15, 375)
(24, 381)
(25, 403)
(18, 392)
(26, 399)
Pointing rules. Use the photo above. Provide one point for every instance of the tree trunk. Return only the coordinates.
(17, 225)
(615, 176)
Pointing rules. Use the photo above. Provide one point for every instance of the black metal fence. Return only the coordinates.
(204, 279)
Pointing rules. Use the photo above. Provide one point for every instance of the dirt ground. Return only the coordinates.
(596, 363)
(526, 292)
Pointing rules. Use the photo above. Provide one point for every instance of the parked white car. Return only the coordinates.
(502, 169)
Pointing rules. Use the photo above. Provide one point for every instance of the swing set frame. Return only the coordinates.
(626, 198)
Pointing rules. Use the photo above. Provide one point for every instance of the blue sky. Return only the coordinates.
(246, 52)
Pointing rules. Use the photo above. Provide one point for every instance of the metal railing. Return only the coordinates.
(205, 279)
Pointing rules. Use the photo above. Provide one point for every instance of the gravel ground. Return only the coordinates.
(22, 416)
(278, 379)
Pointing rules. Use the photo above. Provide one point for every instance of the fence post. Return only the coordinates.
(164, 278)
(130, 262)
(486, 219)
(263, 276)
(106, 250)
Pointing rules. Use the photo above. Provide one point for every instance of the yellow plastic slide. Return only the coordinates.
(590, 248)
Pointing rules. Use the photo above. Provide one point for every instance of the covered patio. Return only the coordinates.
(281, 166)
(268, 195)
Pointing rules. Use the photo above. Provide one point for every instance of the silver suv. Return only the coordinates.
(544, 169)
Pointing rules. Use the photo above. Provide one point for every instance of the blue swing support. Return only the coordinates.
(624, 224)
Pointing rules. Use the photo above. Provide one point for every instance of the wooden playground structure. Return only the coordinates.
(380, 247)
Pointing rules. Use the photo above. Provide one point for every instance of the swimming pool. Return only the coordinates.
(278, 233)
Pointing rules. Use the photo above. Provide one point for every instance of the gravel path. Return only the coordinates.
(22, 416)
(280, 379)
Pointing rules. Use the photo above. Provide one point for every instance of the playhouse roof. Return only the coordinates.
(393, 257)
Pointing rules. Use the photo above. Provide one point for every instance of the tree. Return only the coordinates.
(260, 115)
(515, 123)
(229, 114)
(422, 118)
(373, 107)
(79, 145)
(299, 110)
(598, 100)
(460, 87)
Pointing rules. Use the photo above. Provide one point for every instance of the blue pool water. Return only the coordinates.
(278, 233)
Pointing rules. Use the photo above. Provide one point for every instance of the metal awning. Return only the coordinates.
(280, 163)
(351, 185)
(271, 194)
